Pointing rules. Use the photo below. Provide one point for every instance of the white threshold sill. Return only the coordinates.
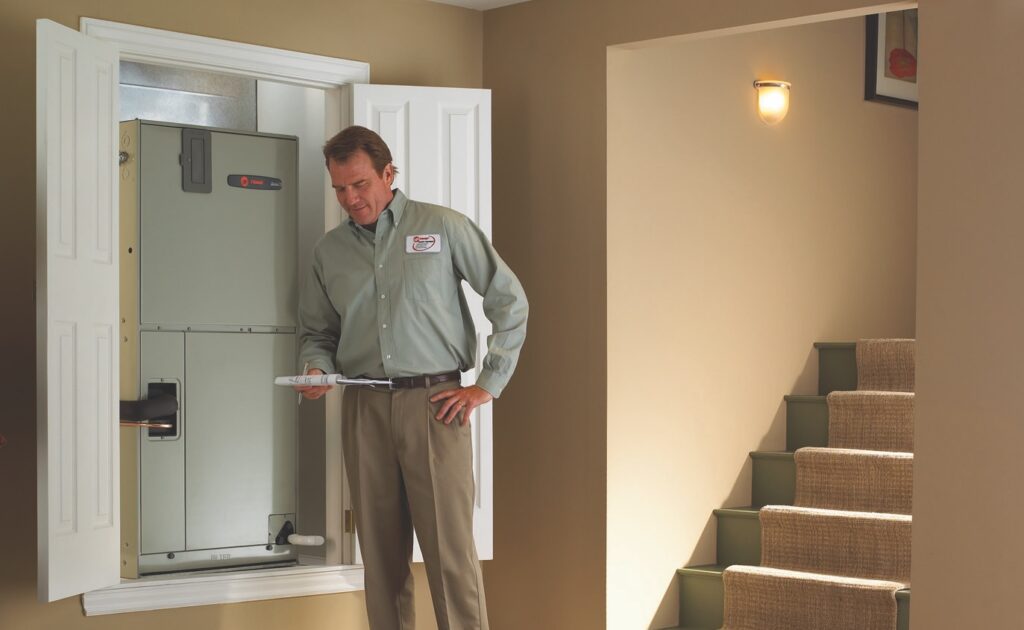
(201, 589)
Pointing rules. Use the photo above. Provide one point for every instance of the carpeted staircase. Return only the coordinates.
(826, 544)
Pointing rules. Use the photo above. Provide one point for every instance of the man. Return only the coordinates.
(384, 300)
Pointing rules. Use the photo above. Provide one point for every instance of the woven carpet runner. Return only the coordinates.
(885, 365)
(852, 544)
(759, 598)
(856, 480)
(876, 421)
(835, 560)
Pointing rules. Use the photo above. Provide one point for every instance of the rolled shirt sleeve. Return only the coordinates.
(504, 300)
(318, 321)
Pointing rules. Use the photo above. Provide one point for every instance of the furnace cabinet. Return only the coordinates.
(208, 315)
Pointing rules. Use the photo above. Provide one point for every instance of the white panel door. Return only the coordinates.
(440, 140)
(76, 312)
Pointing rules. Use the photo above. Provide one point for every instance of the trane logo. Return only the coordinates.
(254, 182)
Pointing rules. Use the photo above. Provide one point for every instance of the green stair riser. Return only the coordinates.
(701, 595)
(806, 422)
(739, 537)
(903, 610)
(702, 601)
(774, 479)
(837, 367)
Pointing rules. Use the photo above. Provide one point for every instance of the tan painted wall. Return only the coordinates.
(546, 62)
(405, 41)
(732, 247)
(969, 431)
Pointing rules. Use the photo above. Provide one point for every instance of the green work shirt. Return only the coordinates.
(390, 303)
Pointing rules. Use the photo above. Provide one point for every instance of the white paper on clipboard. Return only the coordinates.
(307, 380)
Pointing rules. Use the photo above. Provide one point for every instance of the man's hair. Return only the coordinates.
(355, 138)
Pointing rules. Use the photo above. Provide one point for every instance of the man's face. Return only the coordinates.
(361, 191)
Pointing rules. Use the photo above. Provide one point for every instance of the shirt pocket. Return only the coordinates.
(427, 277)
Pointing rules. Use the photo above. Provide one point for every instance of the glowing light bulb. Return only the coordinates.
(772, 100)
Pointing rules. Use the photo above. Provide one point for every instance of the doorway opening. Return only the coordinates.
(768, 238)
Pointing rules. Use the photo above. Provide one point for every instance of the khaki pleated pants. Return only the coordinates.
(407, 469)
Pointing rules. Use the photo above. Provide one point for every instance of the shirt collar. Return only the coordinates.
(396, 207)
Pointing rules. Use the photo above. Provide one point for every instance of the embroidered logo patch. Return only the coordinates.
(423, 244)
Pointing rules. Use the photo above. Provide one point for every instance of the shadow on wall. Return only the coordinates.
(764, 239)
(705, 549)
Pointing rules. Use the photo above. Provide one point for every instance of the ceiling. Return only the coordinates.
(480, 5)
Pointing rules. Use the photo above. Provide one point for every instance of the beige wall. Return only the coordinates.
(546, 62)
(732, 247)
(968, 464)
(405, 41)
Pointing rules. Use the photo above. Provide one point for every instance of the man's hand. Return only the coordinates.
(462, 399)
(312, 392)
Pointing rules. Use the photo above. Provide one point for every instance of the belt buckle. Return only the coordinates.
(391, 385)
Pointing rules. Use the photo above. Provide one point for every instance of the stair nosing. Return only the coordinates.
(746, 511)
(712, 570)
(903, 593)
(804, 398)
(705, 570)
(778, 455)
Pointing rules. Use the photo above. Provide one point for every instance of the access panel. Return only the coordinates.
(216, 290)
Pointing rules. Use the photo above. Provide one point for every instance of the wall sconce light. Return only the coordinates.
(772, 100)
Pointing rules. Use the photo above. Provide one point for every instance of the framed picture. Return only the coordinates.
(890, 56)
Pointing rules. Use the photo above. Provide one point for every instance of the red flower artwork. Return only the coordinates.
(902, 64)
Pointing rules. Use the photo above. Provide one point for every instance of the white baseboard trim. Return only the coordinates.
(176, 591)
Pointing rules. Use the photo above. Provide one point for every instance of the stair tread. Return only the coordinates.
(805, 398)
(844, 345)
(703, 569)
(718, 570)
(784, 455)
(789, 455)
(857, 452)
(812, 575)
(746, 511)
(832, 513)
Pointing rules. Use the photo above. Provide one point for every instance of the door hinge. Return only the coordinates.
(350, 522)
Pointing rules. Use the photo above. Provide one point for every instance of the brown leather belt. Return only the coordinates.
(415, 382)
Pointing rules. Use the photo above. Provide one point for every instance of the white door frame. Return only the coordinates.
(167, 48)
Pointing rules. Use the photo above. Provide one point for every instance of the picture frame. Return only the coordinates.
(890, 58)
